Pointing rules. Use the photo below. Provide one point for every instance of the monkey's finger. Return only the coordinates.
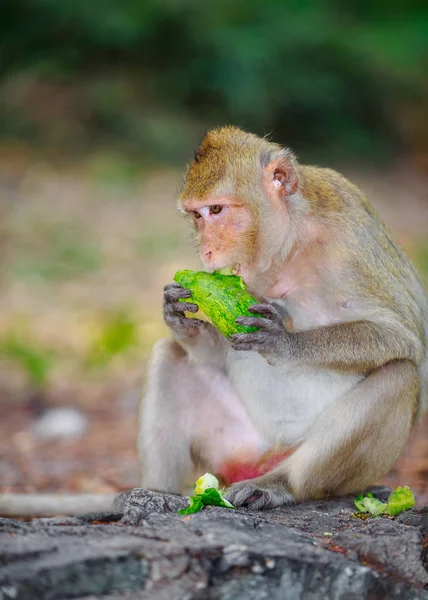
(174, 293)
(182, 307)
(251, 337)
(255, 322)
(267, 310)
(177, 320)
(248, 346)
(188, 322)
(174, 284)
(243, 347)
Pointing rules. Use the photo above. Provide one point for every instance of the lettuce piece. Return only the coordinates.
(206, 482)
(215, 498)
(194, 507)
(207, 493)
(370, 504)
(359, 503)
(400, 500)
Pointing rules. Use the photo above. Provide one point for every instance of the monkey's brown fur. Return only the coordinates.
(340, 384)
(343, 381)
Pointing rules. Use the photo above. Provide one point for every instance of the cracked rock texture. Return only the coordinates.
(145, 550)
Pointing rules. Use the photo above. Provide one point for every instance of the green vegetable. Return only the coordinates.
(400, 500)
(221, 298)
(205, 495)
(214, 497)
(370, 504)
(205, 482)
(195, 506)
(359, 503)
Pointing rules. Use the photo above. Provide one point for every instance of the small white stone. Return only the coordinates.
(257, 568)
(61, 422)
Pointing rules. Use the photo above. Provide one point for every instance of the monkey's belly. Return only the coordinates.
(283, 403)
(234, 470)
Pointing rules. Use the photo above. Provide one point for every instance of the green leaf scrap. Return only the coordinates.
(214, 497)
(194, 507)
(206, 496)
(400, 500)
(370, 504)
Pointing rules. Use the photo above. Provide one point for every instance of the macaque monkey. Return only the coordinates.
(321, 398)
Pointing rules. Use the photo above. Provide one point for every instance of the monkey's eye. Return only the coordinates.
(214, 210)
(196, 214)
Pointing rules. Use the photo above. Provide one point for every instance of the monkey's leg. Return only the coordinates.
(190, 416)
(351, 445)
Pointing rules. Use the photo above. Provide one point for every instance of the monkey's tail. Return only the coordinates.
(54, 505)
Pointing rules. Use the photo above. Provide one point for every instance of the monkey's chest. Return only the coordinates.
(308, 312)
(283, 403)
(308, 301)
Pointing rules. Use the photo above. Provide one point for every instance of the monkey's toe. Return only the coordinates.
(240, 494)
(251, 495)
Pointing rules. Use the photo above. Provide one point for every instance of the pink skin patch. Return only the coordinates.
(236, 470)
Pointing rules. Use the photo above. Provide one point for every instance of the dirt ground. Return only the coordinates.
(85, 250)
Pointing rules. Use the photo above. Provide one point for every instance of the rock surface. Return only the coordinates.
(146, 550)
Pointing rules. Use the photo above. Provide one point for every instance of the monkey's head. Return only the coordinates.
(238, 192)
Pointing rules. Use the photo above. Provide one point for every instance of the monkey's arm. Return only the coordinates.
(355, 346)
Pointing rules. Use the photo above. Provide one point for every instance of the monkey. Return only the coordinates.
(336, 373)
(321, 398)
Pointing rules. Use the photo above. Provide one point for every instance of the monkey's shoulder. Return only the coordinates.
(330, 192)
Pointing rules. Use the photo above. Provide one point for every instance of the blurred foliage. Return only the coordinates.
(34, 360)
(157, 245)
(113, 335)
(57, 252)
(108, 170)
(117, 334)
(153, 74)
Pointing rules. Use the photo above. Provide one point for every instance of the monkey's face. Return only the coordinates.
(236, 192)
(225, 232)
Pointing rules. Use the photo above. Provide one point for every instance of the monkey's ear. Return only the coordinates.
(280, 177)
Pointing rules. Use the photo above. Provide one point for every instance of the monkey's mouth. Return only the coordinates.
(230, 269)
(224, 269)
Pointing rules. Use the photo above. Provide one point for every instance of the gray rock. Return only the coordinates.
(145, 550)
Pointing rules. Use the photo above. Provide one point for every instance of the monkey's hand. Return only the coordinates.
(173, 311)
(272, 338)
(267, 491)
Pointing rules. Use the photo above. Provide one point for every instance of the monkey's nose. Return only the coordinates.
(207, 254)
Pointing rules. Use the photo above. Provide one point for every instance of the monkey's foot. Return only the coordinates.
(258, 494)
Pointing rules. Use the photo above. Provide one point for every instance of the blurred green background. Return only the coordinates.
(101, 103)
(331, 78)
